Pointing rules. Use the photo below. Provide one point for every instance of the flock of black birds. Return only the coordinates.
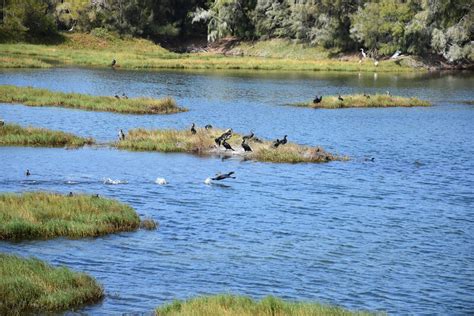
(317, 99)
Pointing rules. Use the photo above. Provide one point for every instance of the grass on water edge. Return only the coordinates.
(31, 286)
(42, 97)
(362, 101)
(16, 135)
(88, 50)
(40, 215)
(202, 143)
(234, 305)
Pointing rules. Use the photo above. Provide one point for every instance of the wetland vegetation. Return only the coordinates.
(40, 215)
(363, 101)
(31, 286)
(16, 135)
(43, 97)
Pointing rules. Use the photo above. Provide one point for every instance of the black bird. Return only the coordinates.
(28, 172)
(96, 196)
(218, 140)
(208, 126)
(117, 97)
(121, 135)
(124, 96)
(193, 130)
(366, 95)
(227, 146)
(113, 63)
(340, 98)
(2, 122)
(248, 137)
(317, 99)
(284, 140)
(245, 146)
(70, 194)
(276, 143)
(222, 176)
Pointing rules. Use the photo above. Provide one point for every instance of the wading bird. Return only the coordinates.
(222, 176)
(121, 135)
(227, 146)
(249, 136)
(364, 55)
(396, 55)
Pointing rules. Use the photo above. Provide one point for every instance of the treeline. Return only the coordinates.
(382, 27)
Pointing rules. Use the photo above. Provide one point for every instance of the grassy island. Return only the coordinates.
(38, 215)
(81, 49)
(15, 135)
(31, 286)
(203, 143)
(42, 97)
(364, 101)
(232, 305)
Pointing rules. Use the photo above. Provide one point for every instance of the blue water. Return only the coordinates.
(394, 235)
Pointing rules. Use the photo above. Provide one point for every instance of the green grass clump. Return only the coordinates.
(31, 286)
(42, 97)
(233, 305)
(89, 50)
(38, 215)
(15, 135)
(202, 143)
(361, 101)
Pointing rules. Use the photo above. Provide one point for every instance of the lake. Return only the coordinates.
(395, 234)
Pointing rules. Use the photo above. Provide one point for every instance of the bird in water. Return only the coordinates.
(340, 98)
(161, 181)
(249, 136)
(114, 62)
(193, 129)
(245, 146)
(121, 135)
(284, 140)
(27, 173)
(208, 126)
(317, 99)
(222, 176)
(227, 146)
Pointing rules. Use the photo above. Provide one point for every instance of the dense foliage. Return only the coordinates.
(443, 27)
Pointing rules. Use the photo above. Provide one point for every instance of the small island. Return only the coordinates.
(118, 103)
(235, 305)
(362, 101)
(206, 142)
(31, 286)
(40, 215)
(16, 135)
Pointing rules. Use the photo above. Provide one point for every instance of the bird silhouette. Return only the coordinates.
(284, 140)
(193, 129)
(222, 176)
(317, 99)
(340, 98)
(227, 146)
(245, 146)
(114, 62)
(27, 173)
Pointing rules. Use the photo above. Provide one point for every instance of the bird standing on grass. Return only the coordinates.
(340, 98)
(284, 140)
(121, 135)
(276, 143)
(114, 62)
(208, 126)
(364, 55)
(227, 146)
(124, 96)
(222, 176)
(193, 129)
(245, 146)
(317, 99)
(249, 136)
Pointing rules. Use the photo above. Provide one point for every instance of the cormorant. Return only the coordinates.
(340, 98)
(284, 140)
(222, 176)
(250, 136)
(124, 96)
(245, 146)
(317, 99)
(276, 143)
(70, 194)
(28, 172)
(208, 126)
(193, 129)
(113, 63)
(227, 146)
(121, 135)
(218, 140)
(366, 95)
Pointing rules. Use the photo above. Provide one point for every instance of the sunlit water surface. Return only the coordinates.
(395, 234)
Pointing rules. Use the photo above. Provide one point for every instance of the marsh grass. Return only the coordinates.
(42, 97)
(38, 215)
(88, 50)
(15, 135)
(31, 286)
(202, 143)
(233, 305)
(361, 101)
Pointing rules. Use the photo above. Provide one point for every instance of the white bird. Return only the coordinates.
(364, 55)
(376, 63)
(208, 181)
(161, 181)
(397, 53)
